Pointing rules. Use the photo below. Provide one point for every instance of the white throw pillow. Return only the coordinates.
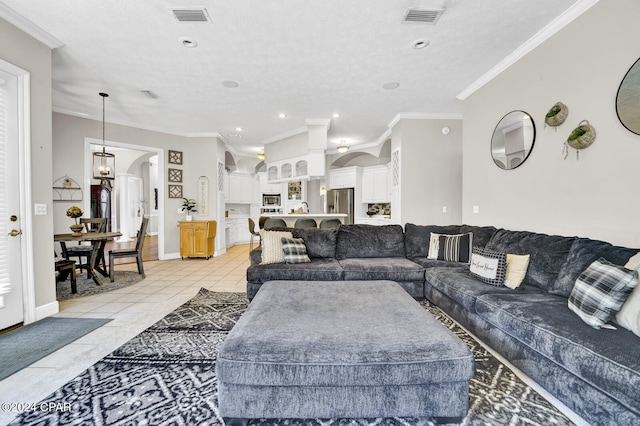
(271, 242)
(516, 269)
(434, 246)
(629, 315)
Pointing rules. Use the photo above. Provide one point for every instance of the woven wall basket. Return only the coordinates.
(582, 137)
(556, 115)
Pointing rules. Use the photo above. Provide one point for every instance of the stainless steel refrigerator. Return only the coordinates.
(341, 201)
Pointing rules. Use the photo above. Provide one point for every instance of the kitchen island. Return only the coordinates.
(290, 218)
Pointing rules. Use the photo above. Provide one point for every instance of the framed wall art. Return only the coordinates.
(175, 175)
(175, 191)
(175, 157)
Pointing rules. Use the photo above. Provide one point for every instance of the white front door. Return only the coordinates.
(11, 300)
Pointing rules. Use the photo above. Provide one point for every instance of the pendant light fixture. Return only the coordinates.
(104, 163)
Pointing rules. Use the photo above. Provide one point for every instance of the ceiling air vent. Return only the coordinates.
(422, 16)
(191, 15)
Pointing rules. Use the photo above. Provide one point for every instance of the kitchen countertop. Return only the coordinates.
(303, 215)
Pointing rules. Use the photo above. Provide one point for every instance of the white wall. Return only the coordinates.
(431, 170)
(582, 66)
(199, 159)
(34, 57)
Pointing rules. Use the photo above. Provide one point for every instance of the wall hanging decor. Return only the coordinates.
(556, 115)
(175, 175)
(582, 137)
(175, 191)
(175, 157)
(203, 195)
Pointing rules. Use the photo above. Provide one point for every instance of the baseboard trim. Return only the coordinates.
(47, 310)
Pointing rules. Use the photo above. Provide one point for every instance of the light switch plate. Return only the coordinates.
(40, 209)
(476, 209)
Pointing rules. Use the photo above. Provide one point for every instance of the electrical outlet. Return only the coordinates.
(40, 209)
(444, 209)
(476, 209)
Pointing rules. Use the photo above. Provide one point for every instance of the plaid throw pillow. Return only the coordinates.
(488, 265)
(600, 291)
(295, 251)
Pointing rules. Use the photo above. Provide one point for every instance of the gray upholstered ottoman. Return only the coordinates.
(345, 349)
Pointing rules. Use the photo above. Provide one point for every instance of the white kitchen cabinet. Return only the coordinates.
(346, 177)
(269, 188)
(241, 189)
(375, 185)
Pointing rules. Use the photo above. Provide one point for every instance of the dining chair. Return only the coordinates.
(135, 252)
(305, 223)
(254, 233)
(83, 250)
(275, 223)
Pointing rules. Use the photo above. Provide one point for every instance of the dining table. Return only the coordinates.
(98, 240)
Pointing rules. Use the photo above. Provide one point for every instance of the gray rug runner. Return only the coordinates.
(88, 287)
(24, 346)
(166, 376)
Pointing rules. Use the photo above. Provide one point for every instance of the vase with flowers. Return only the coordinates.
(75, 212)
(189, 205)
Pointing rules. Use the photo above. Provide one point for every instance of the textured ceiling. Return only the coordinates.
(307, 59)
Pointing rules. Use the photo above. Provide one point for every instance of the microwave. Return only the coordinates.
(270, 199)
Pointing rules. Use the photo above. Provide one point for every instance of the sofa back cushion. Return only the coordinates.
(320, 242)
(481, 234)
(416, 238)
(548, 253)
(367, 241)
(583, 253)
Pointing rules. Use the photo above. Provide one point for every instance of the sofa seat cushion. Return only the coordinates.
(606, 359)
(391, 268)
(548, 253)
(316, 270)
(459, 285)
(425, 262)
(359, 241)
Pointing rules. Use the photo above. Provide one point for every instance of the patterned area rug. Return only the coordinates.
(88, 287)
(166, 376)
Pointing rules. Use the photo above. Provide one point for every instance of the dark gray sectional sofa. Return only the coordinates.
(596, 373)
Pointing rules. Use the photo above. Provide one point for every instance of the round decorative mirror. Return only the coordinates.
(628, 99)
(513, 140)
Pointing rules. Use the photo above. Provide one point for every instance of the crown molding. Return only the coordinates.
(545, 33)
(423, 116)
(285, 135)
(29, 27)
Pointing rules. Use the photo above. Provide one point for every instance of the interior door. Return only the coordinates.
(11, 300)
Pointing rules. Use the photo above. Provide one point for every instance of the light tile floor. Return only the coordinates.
(167, 285)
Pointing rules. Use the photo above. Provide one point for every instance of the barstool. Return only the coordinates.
(330, 223)
(254, 233)
(305, 223)
(275, 223)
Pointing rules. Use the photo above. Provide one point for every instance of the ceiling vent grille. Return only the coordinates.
(422, 16)
(191, 15)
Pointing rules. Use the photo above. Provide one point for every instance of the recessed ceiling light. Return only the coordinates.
(420, 44)
(230, 84)
(238, 129)
(336, 115)
(282, 115)
(188, 42)
(391, 85)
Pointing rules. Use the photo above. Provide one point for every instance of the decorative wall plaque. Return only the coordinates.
(175, 191)
(175, 157)
(175, 175)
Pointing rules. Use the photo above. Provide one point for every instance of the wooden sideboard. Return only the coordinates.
(196, 238)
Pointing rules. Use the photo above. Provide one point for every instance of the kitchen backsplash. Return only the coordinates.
(379, 209)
